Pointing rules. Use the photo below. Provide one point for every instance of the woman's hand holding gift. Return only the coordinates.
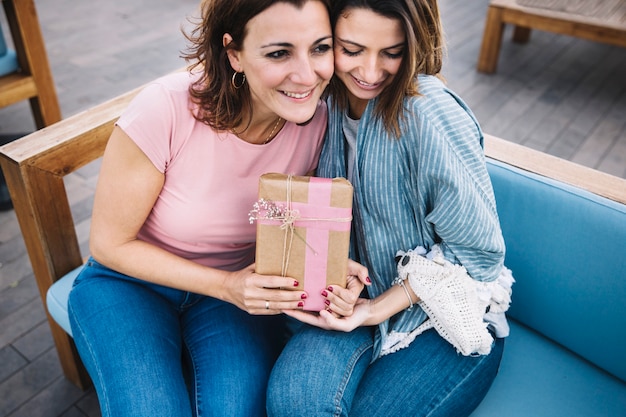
(262, 294)
(340, 302)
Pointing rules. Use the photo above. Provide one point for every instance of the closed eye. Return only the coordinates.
(394, 55)
(348, 52)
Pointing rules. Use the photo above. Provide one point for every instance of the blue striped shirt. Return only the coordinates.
(429, 186)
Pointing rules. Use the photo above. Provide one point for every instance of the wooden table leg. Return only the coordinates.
(492, 40)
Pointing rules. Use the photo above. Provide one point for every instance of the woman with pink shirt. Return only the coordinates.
(168, 315)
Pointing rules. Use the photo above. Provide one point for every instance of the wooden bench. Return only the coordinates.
(567, 320)
(34, 167)
(584, 19)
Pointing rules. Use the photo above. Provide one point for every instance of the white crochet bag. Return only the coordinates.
(454, 302)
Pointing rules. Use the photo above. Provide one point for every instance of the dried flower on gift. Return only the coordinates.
(266, 209)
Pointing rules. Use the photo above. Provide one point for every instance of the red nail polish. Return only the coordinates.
(303, 296)
(330, 289)
(329, 310)
(300, 304)
(296, 283)
(368, 279)
(324, 293)
(327, 302)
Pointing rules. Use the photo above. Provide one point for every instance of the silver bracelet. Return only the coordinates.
(399, 281)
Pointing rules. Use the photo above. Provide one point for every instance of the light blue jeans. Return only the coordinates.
(325, 373)
(156, 351)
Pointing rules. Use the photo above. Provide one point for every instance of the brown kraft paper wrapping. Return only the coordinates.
(303, 231)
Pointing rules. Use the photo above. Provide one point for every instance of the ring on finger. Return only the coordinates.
(267, 305)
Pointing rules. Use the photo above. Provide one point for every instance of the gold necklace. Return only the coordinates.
(269, 137)
(273, 130)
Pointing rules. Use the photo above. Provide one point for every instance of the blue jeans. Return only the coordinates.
(324, 373)
(156, 351)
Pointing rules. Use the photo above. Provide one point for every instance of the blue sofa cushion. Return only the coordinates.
(565, 247)
(539, 378)
(57, 297)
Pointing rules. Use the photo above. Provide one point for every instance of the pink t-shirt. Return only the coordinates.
(211, 179)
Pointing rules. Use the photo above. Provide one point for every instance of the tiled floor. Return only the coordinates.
(561, 95)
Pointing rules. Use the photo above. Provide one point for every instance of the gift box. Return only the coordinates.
(303, 231)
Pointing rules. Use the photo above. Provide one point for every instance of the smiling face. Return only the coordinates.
(287, 59)
(368, 54)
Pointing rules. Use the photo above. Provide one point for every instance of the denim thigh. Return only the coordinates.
(318, 372)
(231, 354)
(133, 337)
(428, 378)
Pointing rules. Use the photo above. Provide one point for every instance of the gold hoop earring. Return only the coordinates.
(233, 81)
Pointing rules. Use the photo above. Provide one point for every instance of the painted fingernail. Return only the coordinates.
(368, 279)
(296, 283)
(327, 302)
(300, 304)
(303, 296)
(324, 293)
(330, 289)
(329, 310)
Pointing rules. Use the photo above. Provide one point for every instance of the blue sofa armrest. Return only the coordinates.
(565, 246)
(565, 229)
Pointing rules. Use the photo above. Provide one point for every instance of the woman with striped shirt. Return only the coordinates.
(413, 152)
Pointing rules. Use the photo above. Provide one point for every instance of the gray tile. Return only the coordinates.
(21, 321)
(73, 412)
(13, 271)
(21, 387)
(11, 362)
(89, 404)
(11, 249)
(34, 343)
(9, 228)
(54, 400)
(17, 295)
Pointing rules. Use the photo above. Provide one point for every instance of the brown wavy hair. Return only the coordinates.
(423, 52)
(219, 104)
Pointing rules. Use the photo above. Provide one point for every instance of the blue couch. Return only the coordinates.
(565, 244)
(566, 355)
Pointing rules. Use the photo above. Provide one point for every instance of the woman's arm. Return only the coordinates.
(128, 187)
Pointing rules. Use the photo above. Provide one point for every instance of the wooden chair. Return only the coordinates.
(35, 166)
(33, 80)
(611, 30)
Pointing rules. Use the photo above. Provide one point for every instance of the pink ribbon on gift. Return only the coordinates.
(319, 218)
